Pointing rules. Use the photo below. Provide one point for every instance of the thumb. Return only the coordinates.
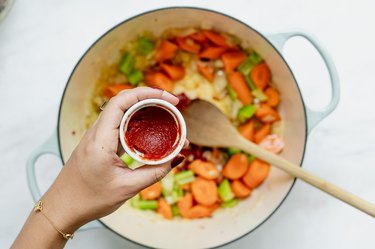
(147, 175)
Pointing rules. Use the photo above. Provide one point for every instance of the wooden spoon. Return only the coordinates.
(208, 126)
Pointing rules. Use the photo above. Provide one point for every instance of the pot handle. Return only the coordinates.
(313, 116)
(51, 146)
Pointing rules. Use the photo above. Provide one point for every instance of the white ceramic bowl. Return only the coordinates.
(172, 110)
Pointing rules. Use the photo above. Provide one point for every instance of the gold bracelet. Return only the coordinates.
(39, 208)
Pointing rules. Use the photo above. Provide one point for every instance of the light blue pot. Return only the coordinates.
(226, 225)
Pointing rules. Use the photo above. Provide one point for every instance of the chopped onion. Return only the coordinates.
(220, 82)
(219, 64)
(207, 154)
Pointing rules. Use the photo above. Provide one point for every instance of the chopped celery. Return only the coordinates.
(259, 94)
(178, 190)
(231, 92)
(167, 183)
(134, 201)
(169, 199)
(230, 203)
(135, 164)
(185, 180)
(127, 159)
(255, 58)
(127, 63)
(250, 82)
(183, 174)
(225, 192)
(245, 113)
(165, 193)
(145, 45)
(184, 177)
(248, 64)
(135, 77)
(232, 151)
(173, 196)
(177, 194)
(175, 210)
(145, 205)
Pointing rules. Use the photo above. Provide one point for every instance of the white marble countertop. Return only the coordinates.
(41, 41)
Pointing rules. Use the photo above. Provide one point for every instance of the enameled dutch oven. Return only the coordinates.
(226, 225)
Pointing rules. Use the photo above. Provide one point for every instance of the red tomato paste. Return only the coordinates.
(153, 132)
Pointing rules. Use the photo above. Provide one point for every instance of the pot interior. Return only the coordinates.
(227, 224)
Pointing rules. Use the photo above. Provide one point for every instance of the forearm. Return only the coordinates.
(41, 229)
(38, 233)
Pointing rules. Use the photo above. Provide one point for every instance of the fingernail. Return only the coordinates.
(157, 88)
(177, 160)
(187, 143)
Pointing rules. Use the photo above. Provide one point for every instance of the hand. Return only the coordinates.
(95, 182)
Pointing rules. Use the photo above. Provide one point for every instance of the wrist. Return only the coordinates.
(56, 206)
(63, 203)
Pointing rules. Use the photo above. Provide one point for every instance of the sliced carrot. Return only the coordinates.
(206, 170)
(206, 70)
(199, 37)
(234, 48)
(164, 209)
(152, 192)
(238, 83)
(113, 90)
(214, 207)
(267, 114)
(262, 132)
(188, 45)
(219, 180)
(239, 189)
(256, 174)
(204, 191)
(174, 72)
(236, 167)
(165, 51)
(186, 187)
(273, 143)
(232, 60)
(160, 80)
(273, 96)
(212, 53)
(216, 38)
(261, 75)
(247, 130)
(199, 211)
(185, 203)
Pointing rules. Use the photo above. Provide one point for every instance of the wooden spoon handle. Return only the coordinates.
(298, 172)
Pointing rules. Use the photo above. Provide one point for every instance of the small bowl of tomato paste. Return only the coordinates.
(152, 131)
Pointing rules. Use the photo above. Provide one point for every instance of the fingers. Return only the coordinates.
(147, 175)
(177, 160)
(186, 143)
(111, 116)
